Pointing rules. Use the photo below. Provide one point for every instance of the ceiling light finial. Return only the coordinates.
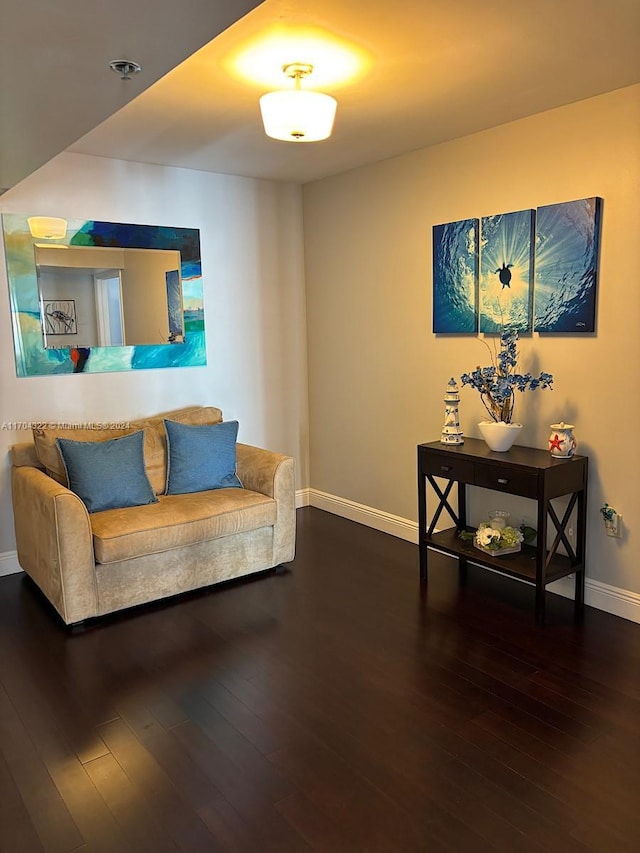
(298, 115)
(298, 70)
(125, 68)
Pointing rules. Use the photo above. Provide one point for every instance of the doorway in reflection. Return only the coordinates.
(108, 291)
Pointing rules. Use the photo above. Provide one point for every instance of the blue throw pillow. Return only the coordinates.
(200, 458)
(107, 474)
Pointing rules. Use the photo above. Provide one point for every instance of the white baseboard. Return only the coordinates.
(303, 498)
(602, 596)
(9, 564)
(402, 528)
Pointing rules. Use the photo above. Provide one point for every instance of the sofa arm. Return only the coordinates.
(273, 474)
(55, 542)
(259, 469)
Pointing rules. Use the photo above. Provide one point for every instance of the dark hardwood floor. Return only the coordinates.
(329, 707)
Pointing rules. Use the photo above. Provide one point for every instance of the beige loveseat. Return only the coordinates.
(91, 564)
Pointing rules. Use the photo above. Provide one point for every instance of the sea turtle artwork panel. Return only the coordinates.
(567, 248)
(455, 277)
(506, 271)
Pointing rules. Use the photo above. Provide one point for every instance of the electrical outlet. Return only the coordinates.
(614, 526)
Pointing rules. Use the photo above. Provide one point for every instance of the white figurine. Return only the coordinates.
(451, 432)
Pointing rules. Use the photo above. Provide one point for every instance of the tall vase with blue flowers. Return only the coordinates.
(497, 384)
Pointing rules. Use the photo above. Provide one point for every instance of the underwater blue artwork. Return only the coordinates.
(32, 358)
(567, 244)
(455, 277)
(506, 271)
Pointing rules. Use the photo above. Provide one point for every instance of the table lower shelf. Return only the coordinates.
(521, 565)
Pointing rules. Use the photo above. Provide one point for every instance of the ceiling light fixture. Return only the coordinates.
(47, 227)
(297, 115)
(125, 68)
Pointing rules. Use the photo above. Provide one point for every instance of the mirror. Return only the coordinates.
(105, 297)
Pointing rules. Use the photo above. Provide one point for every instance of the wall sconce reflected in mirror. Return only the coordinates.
(47, 227)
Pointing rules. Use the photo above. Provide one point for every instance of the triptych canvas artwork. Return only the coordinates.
(531, 270)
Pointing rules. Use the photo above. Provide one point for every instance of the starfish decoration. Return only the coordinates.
(555, 442)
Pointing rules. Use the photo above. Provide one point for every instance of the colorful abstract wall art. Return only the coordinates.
(33, 359)
(455, 277)
(506, 271)
(567, 245)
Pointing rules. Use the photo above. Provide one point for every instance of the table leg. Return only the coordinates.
(462, 570)
(540, 603)
(423, 562)
(581, 551)
(422, 522)
(541, 560)
(578, 611)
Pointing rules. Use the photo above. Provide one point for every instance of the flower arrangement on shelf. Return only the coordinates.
(504, 539)
(497, 537)
(497, 382)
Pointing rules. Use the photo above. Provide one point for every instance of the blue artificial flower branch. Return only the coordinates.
(497, 382)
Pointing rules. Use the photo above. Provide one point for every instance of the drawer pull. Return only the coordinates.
(502, 481)
(445, 467)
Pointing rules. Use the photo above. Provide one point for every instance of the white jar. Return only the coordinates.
(562, 442)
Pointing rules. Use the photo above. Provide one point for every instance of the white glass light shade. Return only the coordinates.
(298, 116)
(47, 227)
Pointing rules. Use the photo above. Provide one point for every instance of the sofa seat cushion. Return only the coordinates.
(177, 520)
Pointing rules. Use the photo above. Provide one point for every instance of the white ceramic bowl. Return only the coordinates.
(499, 436)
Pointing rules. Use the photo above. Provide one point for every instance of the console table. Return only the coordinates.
(524, 471)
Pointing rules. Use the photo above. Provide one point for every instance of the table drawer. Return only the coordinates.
(503, 478)
(451, 469)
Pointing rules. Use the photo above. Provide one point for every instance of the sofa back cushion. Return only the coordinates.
(155, 441)
(48, 453)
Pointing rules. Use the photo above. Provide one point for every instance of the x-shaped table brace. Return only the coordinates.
(443, 504)
(561, 527)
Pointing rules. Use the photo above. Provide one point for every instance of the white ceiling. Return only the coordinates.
(431, 71)
(55, 81)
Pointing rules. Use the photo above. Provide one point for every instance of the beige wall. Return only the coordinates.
(376, 371)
